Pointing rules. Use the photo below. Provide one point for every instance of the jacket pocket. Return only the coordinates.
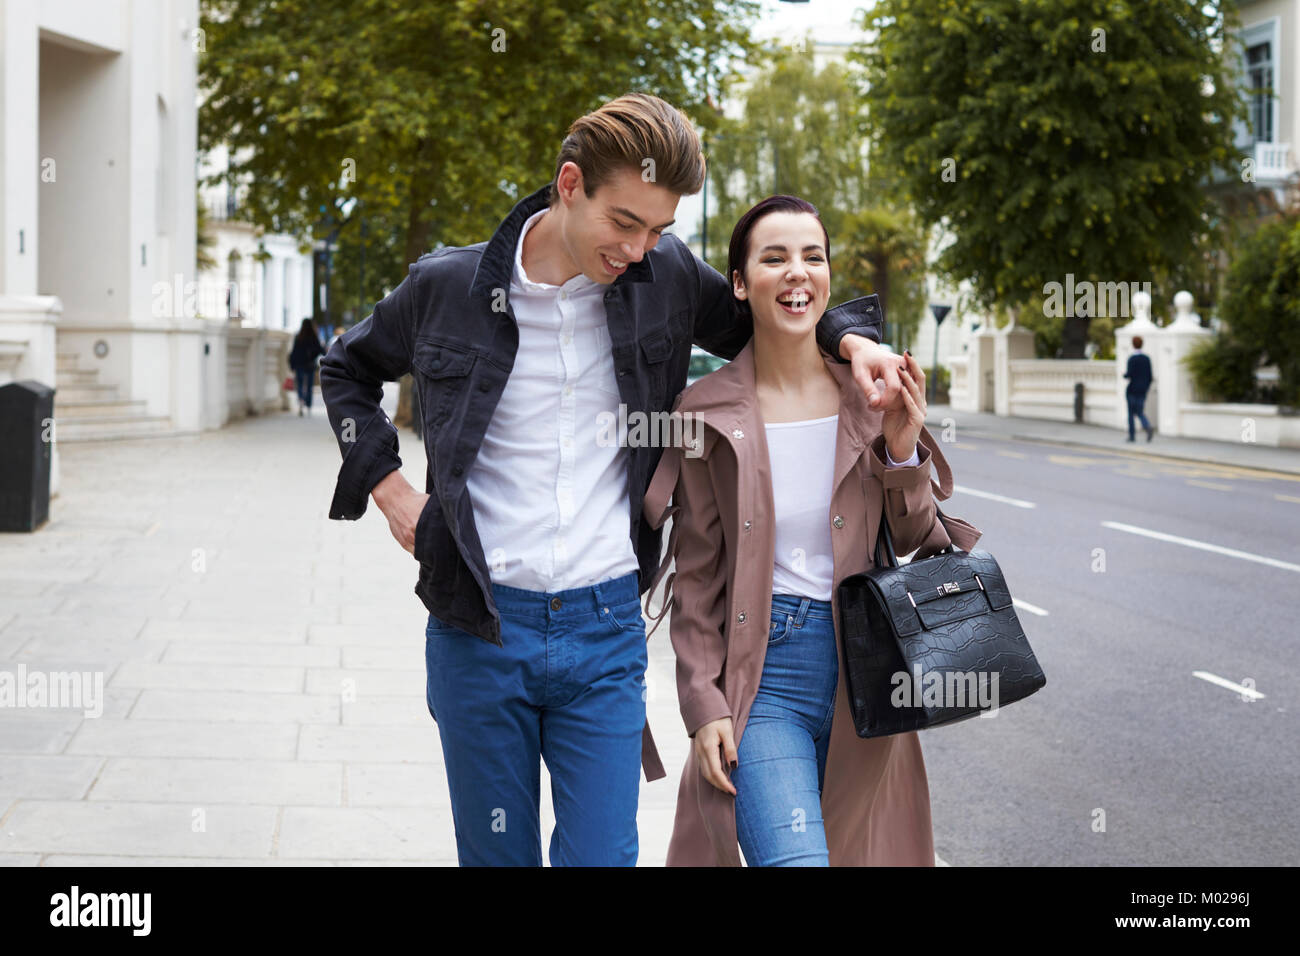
(430, 520)
(656, 350)
(443, 371)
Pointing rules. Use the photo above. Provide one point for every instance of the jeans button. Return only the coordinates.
(555, 604)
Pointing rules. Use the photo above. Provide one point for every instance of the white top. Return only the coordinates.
(802, 460)
(550, 503)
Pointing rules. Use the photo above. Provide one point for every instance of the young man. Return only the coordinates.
(1138, 373)
(531, 544)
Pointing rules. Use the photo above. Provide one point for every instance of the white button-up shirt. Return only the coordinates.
(550, 503)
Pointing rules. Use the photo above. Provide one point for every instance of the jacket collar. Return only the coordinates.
(727, 401)
(497, 263)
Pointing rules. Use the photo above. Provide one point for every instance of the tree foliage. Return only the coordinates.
(1054, 136)
(1261, 320)
(802, 132)
(434, 115)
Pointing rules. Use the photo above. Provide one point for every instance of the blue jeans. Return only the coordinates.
(1135, 409)
(304, 376)
(567, 687)
(781, 758)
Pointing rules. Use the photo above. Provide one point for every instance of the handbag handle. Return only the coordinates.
(885, 540)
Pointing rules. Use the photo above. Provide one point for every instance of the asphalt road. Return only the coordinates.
(1185, 771)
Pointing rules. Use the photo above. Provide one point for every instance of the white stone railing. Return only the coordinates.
(998, 361)
(257, 361)
(958, 380)
(1273, 161)
(1044, 388)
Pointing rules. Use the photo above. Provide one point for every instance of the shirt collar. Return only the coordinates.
(574, 285)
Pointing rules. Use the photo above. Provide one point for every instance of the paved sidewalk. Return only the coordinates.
(1239, 454)
(263, 666)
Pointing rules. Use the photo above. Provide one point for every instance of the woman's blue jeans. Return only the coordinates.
(781, 758)
(304, 377)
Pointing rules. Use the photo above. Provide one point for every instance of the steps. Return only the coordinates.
(86, 409)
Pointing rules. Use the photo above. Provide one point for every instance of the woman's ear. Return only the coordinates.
(738, 285)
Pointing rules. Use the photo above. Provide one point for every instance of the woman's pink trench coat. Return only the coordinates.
(875, 797)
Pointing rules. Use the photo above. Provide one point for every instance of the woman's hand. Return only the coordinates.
(903, 419)
(714, 745)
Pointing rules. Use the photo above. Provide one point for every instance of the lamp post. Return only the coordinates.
(940, 312)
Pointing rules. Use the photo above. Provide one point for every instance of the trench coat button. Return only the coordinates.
(839, 522)
(748, 524)
(555, 604)
(737, 433)
(740, 618)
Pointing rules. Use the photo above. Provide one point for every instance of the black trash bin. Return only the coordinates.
(26, 431)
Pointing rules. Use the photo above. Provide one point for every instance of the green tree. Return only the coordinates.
(1055, 136)
(435, 115)
(802, 133)
(1261, 320)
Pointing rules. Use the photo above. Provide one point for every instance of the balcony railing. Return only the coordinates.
(1273, 161)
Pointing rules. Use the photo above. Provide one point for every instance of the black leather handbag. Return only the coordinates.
(931, 642)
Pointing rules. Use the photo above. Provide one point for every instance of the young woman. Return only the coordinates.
(302, 359)
(775, 500)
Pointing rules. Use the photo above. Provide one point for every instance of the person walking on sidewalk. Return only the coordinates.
(1138, 373)
(306, 350)
(531, 547)
(779, 501)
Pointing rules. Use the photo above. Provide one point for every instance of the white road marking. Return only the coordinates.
(1017, 502)
(1286, 498)
(1222, 682)
(1192, 543)
(1209, 484)
(1026, 606)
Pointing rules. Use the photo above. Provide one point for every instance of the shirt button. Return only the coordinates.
(838, 522)
(555, 604)
(740, 618)
(567, 339)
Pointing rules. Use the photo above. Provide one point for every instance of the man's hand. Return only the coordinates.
(402, 505)
(715, 746)
(872, 362)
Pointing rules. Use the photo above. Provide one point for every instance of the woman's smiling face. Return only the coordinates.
(787, 276)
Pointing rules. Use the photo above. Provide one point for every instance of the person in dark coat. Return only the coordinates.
(307, 349)
(1138, 374)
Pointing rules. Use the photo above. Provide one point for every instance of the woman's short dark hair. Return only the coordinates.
(738, 251)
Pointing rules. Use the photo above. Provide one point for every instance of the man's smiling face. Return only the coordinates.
(617, 226)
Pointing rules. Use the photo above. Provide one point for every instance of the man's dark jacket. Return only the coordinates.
(1138, 373)
(450, 323)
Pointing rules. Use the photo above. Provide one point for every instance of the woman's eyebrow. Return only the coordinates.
(781, 248)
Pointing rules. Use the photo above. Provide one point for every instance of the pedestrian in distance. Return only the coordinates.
(306, 350)
(778, 502)
(531, 547)
(1138, 373)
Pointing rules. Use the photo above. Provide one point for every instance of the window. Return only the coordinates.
(1259, 75)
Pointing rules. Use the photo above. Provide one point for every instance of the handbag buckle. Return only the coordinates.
(948, 587)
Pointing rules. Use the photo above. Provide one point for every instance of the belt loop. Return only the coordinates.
(802, 612)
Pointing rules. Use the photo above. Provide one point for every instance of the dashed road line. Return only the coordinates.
(1224, 682)
(1202, 545)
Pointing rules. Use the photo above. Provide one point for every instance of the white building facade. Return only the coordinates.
(98, 290)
